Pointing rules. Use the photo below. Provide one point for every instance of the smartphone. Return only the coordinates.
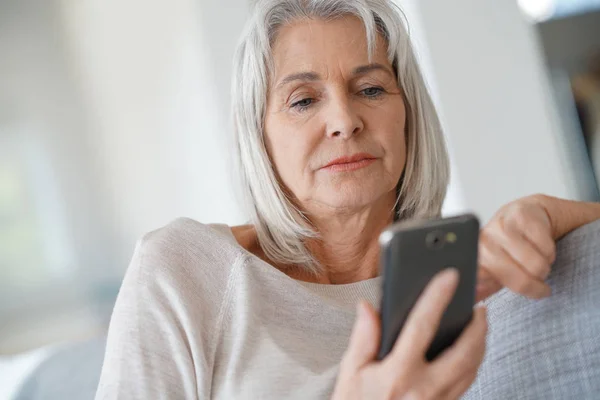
(411, 254)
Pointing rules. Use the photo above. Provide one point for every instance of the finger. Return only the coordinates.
(483, 275)
(465, 355)
(423, 320)
(507, 272)
(520, 249)
(486, 284)
(540, 236)
(364, 340)
(426, 388)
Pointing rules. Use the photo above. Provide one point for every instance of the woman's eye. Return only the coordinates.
(301, 104)
(372, 91)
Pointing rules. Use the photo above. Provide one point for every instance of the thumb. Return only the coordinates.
(364, 341)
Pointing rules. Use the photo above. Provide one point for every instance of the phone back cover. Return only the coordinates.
(408, 266)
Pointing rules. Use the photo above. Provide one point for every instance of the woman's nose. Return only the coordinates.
(342, 120)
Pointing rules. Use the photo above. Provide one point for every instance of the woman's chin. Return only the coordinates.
(349, 201)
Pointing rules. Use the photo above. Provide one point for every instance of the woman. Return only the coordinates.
(337, 138)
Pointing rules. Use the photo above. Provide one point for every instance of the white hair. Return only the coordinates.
(282, 228)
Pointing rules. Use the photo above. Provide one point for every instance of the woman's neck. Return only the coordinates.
(347, 247)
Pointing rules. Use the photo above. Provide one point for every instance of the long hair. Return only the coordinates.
(282, 228)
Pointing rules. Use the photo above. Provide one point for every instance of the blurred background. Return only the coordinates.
(114, 120)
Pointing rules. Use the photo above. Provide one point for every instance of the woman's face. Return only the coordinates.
(335, 123)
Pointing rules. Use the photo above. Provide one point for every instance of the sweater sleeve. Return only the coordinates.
(167, 317)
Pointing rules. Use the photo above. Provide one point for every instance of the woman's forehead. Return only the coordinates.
(319, 45)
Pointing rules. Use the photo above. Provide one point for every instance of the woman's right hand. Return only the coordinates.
(405, 373)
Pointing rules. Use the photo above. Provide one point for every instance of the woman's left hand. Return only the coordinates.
(516, 250)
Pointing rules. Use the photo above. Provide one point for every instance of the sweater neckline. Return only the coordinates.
(368, 289)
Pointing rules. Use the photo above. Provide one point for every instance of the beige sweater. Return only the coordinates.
(199, 317)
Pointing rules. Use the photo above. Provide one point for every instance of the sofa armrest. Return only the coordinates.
(550, 348)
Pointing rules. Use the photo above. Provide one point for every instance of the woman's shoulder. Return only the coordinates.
(184, 230)
(186, 248)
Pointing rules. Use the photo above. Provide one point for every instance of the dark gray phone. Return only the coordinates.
(411, 254)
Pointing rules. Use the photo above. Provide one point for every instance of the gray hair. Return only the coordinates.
(282, 228)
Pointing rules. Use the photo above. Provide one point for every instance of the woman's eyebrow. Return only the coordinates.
(363, 69)
(300, 76)
(313, 76)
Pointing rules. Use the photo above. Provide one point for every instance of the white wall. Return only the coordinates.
(128, 102)
(155, 77)
(496, 104)
(455, 202)
(55, 239)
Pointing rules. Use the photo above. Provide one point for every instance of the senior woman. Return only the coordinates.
(337, 138)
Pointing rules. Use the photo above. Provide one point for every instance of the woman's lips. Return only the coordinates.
(352, 163)
(351, 166)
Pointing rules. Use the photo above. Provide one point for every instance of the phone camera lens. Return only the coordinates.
(435, 240)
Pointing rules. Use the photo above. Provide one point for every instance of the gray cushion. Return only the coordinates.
(548, 349)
